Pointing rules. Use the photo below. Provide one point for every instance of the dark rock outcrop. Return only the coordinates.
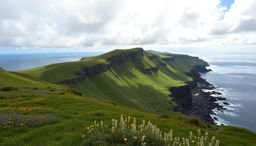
(183, 94)
(168, 59)
(191, 98)
(126, 56)
(183, 97)
(203, 103)
(150, 70)
(87, 72)
(201, 68)
(152, 57)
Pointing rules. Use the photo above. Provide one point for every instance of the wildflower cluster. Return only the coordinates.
(10, 123)
(18, 120)
(126, 131)
(23, 110)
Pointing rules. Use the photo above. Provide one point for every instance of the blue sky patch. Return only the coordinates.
(227, 3)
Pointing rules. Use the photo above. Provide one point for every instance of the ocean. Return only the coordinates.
(233, 73)
(16, 62)
(235, 77)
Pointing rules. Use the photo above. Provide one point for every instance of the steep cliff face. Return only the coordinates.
(87, 72)
(195, 72)
(150, 70)
(126, 56)
(135, 55)
(111, 61)
(182, 96)
(201, 68)
(168, 59)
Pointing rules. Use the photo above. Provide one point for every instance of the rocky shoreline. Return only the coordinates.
(198, 98)
(203, 102)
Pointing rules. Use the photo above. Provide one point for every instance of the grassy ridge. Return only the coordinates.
(126, 83)
(14, 79)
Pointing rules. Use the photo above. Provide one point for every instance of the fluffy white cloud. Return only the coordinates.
(103, 23)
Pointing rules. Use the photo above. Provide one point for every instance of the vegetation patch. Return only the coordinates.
(19, 120)
(76, 92)
(164, 116)
(23, 109)
(127, 132)
(99, 114)
(195, 121)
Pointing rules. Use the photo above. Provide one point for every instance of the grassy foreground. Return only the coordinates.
(44, 117)
(35, 112)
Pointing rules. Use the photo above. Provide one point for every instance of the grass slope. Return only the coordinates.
(43, 116)
(21, 80)
(126, 83)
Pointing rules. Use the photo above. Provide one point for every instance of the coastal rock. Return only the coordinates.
(182, 96)
(220, 98)
(225, 103)
(203, 102)
(193, 101)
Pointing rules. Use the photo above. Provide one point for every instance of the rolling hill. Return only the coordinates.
(132, 78)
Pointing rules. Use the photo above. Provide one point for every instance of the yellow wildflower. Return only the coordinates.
(125, 139)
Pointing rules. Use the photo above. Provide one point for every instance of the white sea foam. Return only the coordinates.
(206, 90)
(221, 121)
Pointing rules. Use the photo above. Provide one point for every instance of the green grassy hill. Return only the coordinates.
(132, 78)
(34, 114)
(17, 80)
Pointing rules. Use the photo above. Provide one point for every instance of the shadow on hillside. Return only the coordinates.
(139, 96)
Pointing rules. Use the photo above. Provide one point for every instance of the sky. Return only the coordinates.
(227, 3)
(100, 25)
